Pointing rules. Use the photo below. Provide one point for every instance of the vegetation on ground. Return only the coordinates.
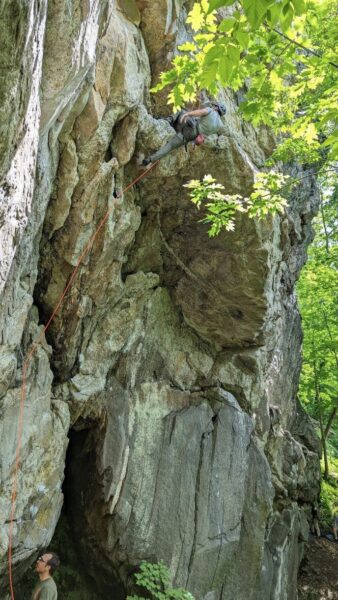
(154, 580)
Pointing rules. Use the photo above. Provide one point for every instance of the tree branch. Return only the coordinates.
(308, 50)
(296, 180)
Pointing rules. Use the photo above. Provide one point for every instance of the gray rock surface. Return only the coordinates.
(169, 348)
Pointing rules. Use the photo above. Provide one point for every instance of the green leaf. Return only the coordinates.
(299, 6)
(215, 4)
(209, 75)
(311, 133)
(234, 54)
(333, 152)
(225, 69)
(276, 81)
(255, 10)
(286, 20)
(187, 47)
(215, 53)
(331, 139)
(196, 17)
(243, 38)
(176, 97)
(273, 14)
(227, 24)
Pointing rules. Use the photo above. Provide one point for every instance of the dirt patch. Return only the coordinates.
(318, 576)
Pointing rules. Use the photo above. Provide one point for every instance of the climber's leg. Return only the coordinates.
(175, 142)
(118, 183)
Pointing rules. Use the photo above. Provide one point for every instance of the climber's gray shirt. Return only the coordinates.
(211, 123)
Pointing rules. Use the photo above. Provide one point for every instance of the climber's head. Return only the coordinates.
(221, 108)
(47, 563)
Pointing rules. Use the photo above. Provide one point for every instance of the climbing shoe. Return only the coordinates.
(146, 164)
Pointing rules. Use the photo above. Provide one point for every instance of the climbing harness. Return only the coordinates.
(191, 133)
(31, 353)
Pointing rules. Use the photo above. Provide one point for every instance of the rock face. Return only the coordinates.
(170, 347)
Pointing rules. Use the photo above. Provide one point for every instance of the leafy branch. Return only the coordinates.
(297, 95)
(222, 209)
(299, 45)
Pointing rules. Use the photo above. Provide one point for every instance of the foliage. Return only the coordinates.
(155, 579)
(318, 298)
(281, 53)
(282, 56)
(221, 208)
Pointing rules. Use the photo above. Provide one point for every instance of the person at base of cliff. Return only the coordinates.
(190, 126)
(46, 564)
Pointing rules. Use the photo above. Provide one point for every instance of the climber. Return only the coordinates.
(46, 564)
(190, 126)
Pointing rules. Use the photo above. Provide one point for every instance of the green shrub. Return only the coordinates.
(155, 578)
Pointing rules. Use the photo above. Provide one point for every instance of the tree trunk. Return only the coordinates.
(330, 421)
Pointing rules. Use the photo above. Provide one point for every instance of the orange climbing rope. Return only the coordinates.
(24, 376)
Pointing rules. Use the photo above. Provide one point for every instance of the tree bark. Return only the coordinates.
(323, 440)
(330, 421)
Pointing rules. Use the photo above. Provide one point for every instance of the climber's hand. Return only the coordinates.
(184, 117)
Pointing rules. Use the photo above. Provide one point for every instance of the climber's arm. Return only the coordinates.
(199, 112)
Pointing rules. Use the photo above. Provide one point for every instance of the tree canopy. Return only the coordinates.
(318, 297)
(282, 56)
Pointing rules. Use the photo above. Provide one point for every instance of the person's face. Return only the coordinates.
(41, 563)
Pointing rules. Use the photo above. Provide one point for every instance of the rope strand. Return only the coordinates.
(30, 355)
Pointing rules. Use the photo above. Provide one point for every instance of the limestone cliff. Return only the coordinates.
(170, 346)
